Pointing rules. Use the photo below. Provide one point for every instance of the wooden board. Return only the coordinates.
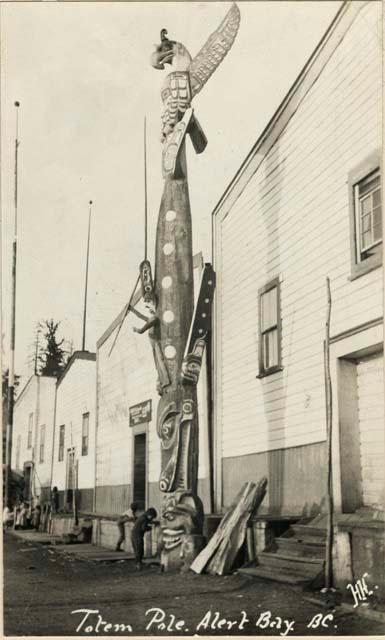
(219, 554)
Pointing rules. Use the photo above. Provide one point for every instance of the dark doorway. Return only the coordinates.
(70, 479)
(139, 481)
(27, 493)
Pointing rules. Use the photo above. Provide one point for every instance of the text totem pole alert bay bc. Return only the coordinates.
(177, 331)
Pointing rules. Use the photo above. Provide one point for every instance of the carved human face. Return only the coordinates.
(150, 306)
(182, 514)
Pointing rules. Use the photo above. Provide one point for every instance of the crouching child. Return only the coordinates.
(126, 516)
(143, 524)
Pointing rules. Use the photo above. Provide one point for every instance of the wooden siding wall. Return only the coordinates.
(75, 396)
(38, 398)
(292, 221)
(25, 405)
(47, 417)
(292, 490)
(125, 378)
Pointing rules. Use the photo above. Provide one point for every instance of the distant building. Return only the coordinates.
(74, 434)
(33, 436)
(128, 453)
(306, 205)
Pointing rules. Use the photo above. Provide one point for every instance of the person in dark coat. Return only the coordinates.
(55, 500)
(140, 527)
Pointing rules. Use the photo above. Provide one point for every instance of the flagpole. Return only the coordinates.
(86, 282)
(145, 189)
(11, 373)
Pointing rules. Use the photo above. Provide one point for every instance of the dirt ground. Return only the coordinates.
(43, 589)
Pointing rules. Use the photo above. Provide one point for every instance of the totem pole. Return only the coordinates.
(177, 331)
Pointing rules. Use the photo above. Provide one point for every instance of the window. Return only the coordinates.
(368, 213)
(366, 216)
(269, 329)
(30, 427)
(61, 442)
(42, 439)
(85, 427)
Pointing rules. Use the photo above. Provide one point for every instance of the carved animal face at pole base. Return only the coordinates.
(182, 514)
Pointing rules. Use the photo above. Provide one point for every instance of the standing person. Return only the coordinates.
(7, 516)
(143, 524)
(45, 516)
(28, 516)
(126, 516)
(54, 500)
(23, 515)
(36, 518)
(16, 515)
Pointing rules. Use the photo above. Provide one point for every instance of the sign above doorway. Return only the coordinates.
(140, 413)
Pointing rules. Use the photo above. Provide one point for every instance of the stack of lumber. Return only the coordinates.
(219, 554)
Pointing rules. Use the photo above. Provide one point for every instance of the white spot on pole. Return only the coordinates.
(168, 248)
(168, 316)
(170, 352)
(166, 282)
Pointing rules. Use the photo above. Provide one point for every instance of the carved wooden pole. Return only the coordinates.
(177, 334)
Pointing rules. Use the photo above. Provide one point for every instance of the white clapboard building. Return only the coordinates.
(74, 433)
(33, 436)
(306, 206)
(128, 453)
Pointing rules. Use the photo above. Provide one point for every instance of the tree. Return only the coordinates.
(52, 357)
(35, 350)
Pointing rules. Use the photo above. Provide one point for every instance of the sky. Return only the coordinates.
(82, 74)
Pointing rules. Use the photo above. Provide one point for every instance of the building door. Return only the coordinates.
(27, 493)
(139, 471)
(70, 479)
(370, 396)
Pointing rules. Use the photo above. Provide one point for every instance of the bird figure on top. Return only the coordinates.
(188, 74)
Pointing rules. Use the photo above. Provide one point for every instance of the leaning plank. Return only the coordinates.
(229, 536)
(224, 557)
(228, 521)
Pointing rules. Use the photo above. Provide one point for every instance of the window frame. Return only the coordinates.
(85, 447)
(61, 444)
(359, 265)
(30, 431)
(42, 443)
(275, 283)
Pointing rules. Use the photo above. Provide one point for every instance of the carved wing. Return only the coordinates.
(215, 49)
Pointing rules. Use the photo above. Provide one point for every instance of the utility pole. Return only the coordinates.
(37, 340)
(11, 375)
(86, 282)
